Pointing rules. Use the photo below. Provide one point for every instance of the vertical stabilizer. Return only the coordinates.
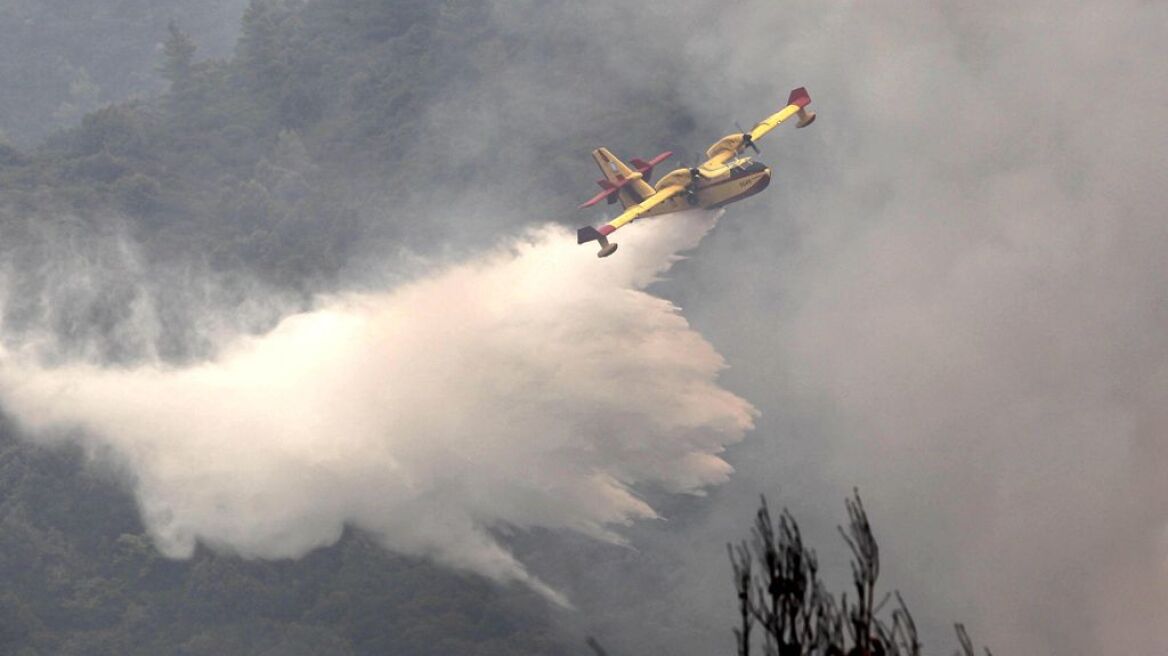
(633, 188)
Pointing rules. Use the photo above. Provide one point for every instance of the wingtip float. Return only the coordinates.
(725, 177)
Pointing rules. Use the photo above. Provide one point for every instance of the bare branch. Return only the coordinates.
(776, 579)
(595, 646)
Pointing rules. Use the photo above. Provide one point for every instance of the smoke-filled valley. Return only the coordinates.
(299, 354)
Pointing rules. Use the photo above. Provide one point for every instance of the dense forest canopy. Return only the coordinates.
(283, 161)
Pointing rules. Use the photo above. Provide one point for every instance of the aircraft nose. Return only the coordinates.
(763, 181)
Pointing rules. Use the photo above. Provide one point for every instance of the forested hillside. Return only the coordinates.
(339, 132)
(80, 577)
(61, 59)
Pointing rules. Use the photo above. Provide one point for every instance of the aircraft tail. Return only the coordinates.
(633, 188)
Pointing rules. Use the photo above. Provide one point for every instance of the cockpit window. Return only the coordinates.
(742, 168)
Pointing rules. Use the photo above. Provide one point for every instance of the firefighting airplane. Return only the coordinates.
(722, 179)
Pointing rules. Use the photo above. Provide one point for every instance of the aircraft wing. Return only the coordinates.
(640, 208)
(795, 104)
(732, 145)
(587, 234)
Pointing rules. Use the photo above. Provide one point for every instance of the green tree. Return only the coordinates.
(260, 51)
(178, 57)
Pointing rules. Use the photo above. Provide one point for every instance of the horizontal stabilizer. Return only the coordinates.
(646, 168)
(609, 193)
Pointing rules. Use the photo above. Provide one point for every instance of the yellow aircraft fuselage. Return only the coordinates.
(744, 179)
(725, 177)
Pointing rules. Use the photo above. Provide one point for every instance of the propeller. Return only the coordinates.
(691, 193)
(694, 169)
(747, 141)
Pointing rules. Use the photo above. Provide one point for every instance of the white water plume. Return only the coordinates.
(533, 387)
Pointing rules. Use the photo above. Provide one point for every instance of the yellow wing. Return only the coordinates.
(588, 233)
(640, 208)
(795, 105)
(731, 145)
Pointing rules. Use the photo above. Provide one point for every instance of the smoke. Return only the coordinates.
(531, 387)
(955, 301)
(74, 288)
(951, 296)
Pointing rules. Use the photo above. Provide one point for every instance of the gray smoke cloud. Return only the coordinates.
(951, 297)
(527, 388)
